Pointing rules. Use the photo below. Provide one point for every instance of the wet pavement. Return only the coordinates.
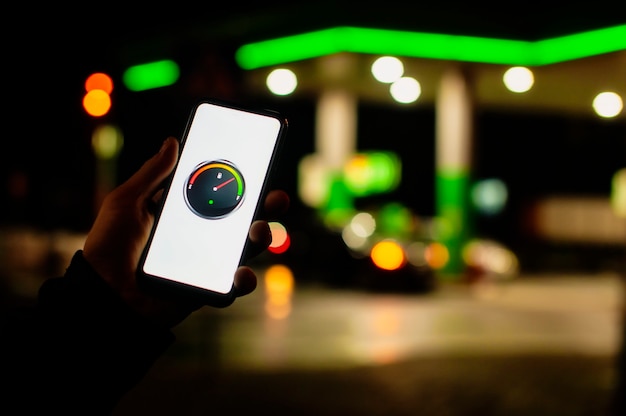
(536, 345)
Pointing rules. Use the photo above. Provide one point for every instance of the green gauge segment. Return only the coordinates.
(214, 189)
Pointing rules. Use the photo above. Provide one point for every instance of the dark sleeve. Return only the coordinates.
(79, 350)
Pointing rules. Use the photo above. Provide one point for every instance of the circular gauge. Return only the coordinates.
(214, 189)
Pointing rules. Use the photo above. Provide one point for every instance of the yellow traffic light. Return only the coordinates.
(97, 99)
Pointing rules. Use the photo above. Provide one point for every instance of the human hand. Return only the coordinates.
(122, 227)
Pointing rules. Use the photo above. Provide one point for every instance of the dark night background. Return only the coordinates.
(48, 54)
(539, 345)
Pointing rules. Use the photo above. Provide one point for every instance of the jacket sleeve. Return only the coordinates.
(79, 350)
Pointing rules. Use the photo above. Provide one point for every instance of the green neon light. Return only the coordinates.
(452, 205)
(430, 45)
(580, 45)
(151, 75)
(370, 173)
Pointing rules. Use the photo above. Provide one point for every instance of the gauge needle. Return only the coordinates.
(215, 188)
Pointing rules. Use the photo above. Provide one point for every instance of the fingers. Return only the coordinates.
(275, 205)
(147, 180)
(260, 234)
(245, 281)
(260, 237)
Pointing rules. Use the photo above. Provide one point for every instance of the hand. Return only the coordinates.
(122, 227)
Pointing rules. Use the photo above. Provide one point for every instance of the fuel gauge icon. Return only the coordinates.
(214, 189)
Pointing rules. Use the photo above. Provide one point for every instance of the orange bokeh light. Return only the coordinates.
(436, 255)
(96, 103)
(99, 81)
(388, 255)
(280, 238)
(279, 286)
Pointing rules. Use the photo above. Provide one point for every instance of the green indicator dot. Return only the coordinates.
(210, 202)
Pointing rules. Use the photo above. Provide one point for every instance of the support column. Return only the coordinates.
(335, 143)
(335, 130)
(454, 136)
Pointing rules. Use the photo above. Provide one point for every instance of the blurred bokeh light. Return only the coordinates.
(437, 255)
(279, 287)
(388, 255)
(608, 104)
(618, 193)
(107, 141)
(150, 75)
(489, 196)
(282, 81)
(99, 81)
(406, 90)
(387, 69)
(97, 102)
(518, 79)
(280, 238)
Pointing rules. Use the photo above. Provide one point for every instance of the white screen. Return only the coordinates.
(206, 252)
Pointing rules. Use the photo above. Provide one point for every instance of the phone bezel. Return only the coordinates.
(184, 292)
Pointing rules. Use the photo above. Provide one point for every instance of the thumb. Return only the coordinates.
(153, 172)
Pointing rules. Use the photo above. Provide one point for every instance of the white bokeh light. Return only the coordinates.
(518, 79)
(608, 104)
(363, 224)
(387, 69)
(282, 81)
(405, 90)
(490, 196)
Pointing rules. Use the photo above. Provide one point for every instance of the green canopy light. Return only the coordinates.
(430, 45)
(151, 75)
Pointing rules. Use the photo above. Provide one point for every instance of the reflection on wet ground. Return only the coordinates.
(542, 344)
(534, 345)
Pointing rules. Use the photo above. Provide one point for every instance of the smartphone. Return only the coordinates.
(227, 156)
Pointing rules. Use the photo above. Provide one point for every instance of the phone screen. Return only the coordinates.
(200, 235)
